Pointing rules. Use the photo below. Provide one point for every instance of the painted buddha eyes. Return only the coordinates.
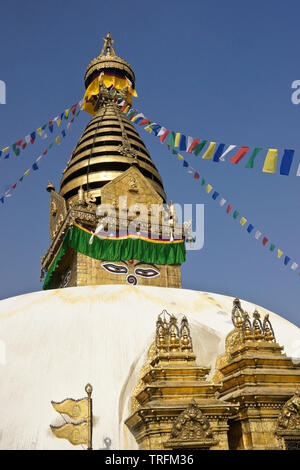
(149, 272)
(119, 269)
(115, 268)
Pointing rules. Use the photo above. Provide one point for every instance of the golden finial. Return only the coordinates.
(50, 187)
(107, 48)
(89, 389)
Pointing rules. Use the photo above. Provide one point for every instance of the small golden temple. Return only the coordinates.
(213, 375)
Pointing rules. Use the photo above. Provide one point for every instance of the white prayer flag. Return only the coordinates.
(190, 140)
(161, 132)
(294, 266)
(257, 234)
(222, 202)
(222, 157)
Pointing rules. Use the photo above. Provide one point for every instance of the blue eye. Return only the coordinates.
(115, 268)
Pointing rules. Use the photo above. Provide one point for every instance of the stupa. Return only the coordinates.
(170, 368)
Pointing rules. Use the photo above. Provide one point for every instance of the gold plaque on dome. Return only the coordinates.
(57, 213)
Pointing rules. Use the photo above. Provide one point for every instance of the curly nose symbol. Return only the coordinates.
(131, 279)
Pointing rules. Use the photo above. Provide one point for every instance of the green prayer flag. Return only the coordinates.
(202, 182)
(250, 162)
(171, 139)
(272, 247)
(199, 147)
(236, 214)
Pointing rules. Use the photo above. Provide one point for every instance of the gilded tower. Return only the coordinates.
(111, 167)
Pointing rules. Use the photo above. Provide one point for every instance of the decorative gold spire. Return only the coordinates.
(107, 48)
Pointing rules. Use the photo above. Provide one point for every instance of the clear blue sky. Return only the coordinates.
(213, 69)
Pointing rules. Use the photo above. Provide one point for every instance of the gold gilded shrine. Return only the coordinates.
(256, 375)
(109, 162)
(174, 406)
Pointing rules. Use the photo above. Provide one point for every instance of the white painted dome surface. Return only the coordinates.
(52, 343)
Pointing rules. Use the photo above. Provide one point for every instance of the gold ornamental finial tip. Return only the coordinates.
(88, 389)
(107, 48)
(50, 187)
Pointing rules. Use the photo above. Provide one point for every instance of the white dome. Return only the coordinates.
(52, 343)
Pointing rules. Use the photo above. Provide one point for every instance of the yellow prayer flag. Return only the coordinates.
(5, 150)
(208, 188)
(180, 157)
(57, 140)
(135, 117)
(149, 128)
(243, 221)
(26, 172)
(75, 409)
(58, 122)
(177, 139)
(271, 161)
(75, 433)
(210, 151)
(67, 113)
(39, 131)
(280, 253)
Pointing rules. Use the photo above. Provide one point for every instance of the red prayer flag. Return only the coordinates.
(239, 155)
(163, 137)
(196, 175)
(13, 187)
(144, 121)
(45, 151)
(19, 142)
(24, 145)
(193, 145)
(265, 239)
(229, 207)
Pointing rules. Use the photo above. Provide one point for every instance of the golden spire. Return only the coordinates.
(107, 48)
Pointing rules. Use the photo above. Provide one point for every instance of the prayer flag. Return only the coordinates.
(189, 142)
(193, 145)
(199, 147)
(209, 152)
(286, 162)
(177, 139)
(218, 152)
(239, 155)
(182, 143)
(270, 161)
(229, 148)
(250, 163)
(257, 234)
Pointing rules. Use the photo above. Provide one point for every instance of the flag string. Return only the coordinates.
(190, 146)
(35, 166)
(21, 144)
